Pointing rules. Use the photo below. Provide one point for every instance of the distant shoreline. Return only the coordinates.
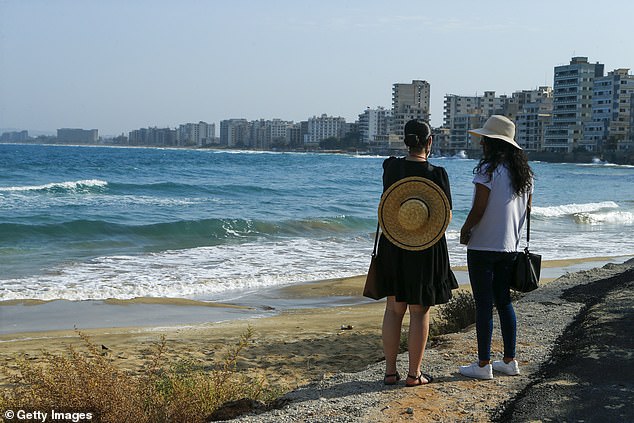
(609, 157)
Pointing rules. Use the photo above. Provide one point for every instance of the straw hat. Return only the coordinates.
(414, 213)
(500, 127)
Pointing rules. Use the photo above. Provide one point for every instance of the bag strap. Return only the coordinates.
(401, 172)
(376, 240)
(528, 227)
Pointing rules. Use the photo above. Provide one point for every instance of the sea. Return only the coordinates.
(91, 223)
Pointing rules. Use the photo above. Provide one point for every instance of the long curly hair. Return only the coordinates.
(498, 152)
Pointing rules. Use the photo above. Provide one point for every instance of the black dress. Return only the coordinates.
(416, 277)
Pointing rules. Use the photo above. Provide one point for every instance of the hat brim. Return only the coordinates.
(429, 233)
(481, 132)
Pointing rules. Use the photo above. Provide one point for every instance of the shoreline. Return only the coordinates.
(331, 371)
(21, 317)
(612, 157)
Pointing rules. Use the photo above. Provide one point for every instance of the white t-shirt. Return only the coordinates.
(500, 226)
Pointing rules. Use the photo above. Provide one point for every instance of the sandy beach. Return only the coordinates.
(334, 330)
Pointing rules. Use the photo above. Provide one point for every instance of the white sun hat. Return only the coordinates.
(499, 127)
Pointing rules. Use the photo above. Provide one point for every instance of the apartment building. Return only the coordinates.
(77, 136)
(462, 113)
(409, 101)
(295, 134)
(322, 127)
(234, 133)
(572, 105)
(374, 125)
(612, 113)
(196, 134)
(267, 134)
(163, 137)
(14, 136)
(533, 115)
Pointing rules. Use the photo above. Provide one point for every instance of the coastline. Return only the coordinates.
(329, 369)
(333, 373)
(20, 317)
(612, 157)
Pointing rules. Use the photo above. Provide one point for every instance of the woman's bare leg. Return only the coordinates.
(391, 332)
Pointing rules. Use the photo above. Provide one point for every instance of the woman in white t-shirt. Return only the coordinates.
(503, 192)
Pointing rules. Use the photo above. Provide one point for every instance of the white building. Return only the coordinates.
(463, 113)
(199, 134)
(374, 125)
(323, 127)
(266, 134)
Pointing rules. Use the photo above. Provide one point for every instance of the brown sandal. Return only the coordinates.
(419, 380)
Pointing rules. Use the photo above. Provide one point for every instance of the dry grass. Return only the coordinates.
(89, 381)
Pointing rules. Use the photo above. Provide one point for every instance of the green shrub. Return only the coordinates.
(455, 315)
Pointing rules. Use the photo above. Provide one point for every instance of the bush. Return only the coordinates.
(89, 381)
(455, 315)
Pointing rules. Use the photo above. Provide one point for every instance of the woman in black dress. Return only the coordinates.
(412, 279)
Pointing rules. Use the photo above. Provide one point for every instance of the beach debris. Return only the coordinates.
(347, 327)
(409, 410)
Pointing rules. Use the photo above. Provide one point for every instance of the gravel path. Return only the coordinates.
(543, 317)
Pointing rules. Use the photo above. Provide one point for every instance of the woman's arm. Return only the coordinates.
(477, 210)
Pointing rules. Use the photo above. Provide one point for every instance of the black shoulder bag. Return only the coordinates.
(525, 277)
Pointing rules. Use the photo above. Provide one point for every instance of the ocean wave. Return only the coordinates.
(614, 217)
(214, 273)
(600, 163)
(572, 209)
(182, 234)
(71, 186)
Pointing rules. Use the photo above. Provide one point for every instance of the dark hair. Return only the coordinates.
(416, 133)
(498, 152)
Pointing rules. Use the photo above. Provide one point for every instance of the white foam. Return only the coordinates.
(616, 217)
(208, 272)
(69, 185)
(571, 209)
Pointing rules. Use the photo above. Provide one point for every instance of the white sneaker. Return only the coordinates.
(474, 370)
(511, 369)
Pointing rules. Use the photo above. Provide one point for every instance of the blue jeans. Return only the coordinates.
(489, 273)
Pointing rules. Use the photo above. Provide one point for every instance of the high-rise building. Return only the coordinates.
(572, 105)
(611, 125)
(322, 127)
(534, 114)
(14, 136)
(79, 136)
(199, 134)
(266, 134)
(462, 113)
(374, 125)
(234, 133)
(163, 137)
(484, 105)
(409, 101)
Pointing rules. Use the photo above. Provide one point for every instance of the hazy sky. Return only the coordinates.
(119, 65)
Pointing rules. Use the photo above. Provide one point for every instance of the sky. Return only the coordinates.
(120, 65)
